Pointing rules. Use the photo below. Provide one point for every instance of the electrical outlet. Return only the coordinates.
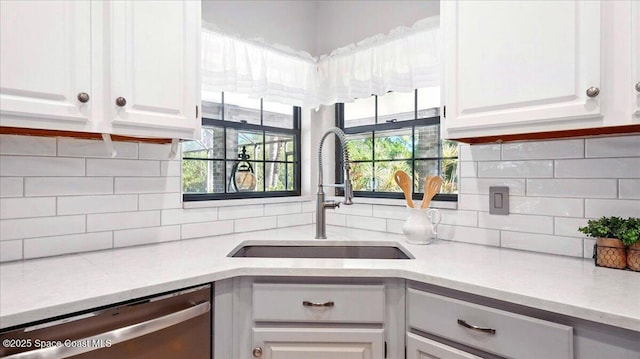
(499, 200)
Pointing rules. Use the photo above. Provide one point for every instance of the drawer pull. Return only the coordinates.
(312, 304)
(480, 329)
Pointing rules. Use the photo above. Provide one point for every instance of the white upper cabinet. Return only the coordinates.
(521, 66)
(635, 41)
(155, 50)
(119, 67)
(45, 64)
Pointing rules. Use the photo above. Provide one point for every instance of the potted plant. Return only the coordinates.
(629, 233)
(610, 250)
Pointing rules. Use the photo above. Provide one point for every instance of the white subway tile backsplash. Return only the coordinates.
(241, 212)
(629, 189)
(309, 206)
(10, 250)
(516, 222)
(566, 246)
(473, 202)
(53, 246)
(27, 207)
(134, 237)
(580, 188)
(621, 146)
(595, 208)
(479, 152)
(459, 217)
(468, 169)
(136, 198)
(27, 145)
(588, 247)
(390, 212)
(71, 147)
(543, 150)
(41, 227)
(335, 219)
(282, 208)
(41, 166)
(481, 185)
(488, 237)
(67, 186)
(370, 223)
(356, 209)
(516, 169)
(394, 226)
(255, 224)
(116, 167)
(568, 227)
(147, 184)
(97, 204)
(122, 220)
(152, 151)
(598, 168)
(206, 229)
(296, 219)
(566, 207)
(11, 186)
(191, 215)
(159, 201)
(170, 168)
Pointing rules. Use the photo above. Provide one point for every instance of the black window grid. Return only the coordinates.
(386, 126)
(264, 130)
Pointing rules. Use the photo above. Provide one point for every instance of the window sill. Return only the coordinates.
(397, 202)
(247, 201)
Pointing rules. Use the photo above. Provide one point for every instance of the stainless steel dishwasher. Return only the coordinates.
(175, 325)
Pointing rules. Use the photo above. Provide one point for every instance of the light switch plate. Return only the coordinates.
(499, 200)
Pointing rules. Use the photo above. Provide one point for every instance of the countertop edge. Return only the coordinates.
(83, 304)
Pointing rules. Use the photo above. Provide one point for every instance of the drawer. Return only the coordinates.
(318, 303)
(515, 336)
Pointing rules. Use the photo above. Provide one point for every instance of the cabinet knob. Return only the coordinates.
(637, 86)
(83, 97)
(121, 101)
(257, 352)
(593, 91)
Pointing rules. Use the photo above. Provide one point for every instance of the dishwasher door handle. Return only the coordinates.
(115, 336)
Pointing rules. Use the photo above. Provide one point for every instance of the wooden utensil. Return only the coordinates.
(432, 185)
(404, 181)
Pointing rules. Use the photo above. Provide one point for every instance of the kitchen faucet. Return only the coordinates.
(321, 204)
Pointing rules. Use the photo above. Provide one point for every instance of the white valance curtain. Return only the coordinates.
(253, 68)
(403, 60)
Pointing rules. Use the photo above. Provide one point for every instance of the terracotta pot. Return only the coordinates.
(610, 253)
(633, 257)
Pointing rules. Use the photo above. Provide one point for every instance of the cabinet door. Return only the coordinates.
(45, 62)
(155, 67)
(520, 66)
(423, 348)
(319, 343)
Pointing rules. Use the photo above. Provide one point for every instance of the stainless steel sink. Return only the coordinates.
(344, 249)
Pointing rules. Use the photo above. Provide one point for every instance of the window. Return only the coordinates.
(397, 131)
(250, 148)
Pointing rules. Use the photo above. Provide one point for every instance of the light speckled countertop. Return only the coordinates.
(43, 288)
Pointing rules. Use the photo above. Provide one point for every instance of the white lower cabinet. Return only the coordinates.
(422, 348)
(311, 318)
(488, 329)
(369, 318)
(317, 343)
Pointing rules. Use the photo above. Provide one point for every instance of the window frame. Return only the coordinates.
(389, 125)
(265, 130)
